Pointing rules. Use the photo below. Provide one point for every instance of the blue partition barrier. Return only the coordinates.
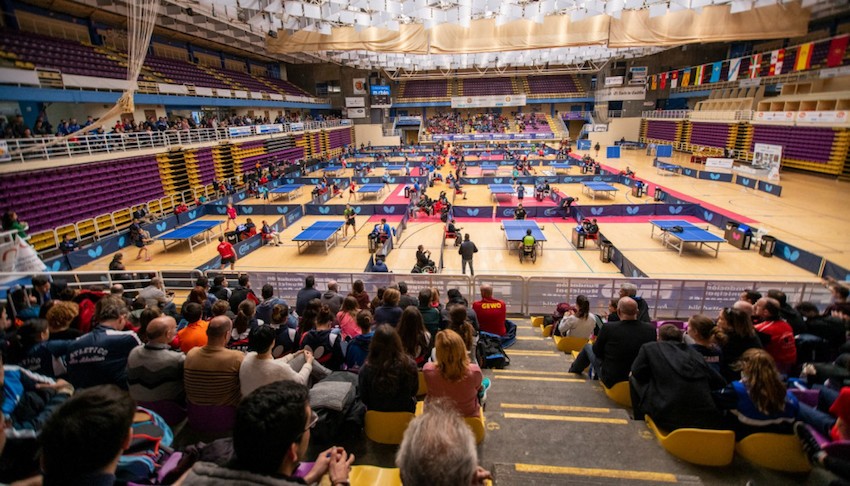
(484, 212)
(715, 176)
(612, 152)
(746, 181)
(835, 271)
(664, 151)
(242, 248)
(770, 188)
(583, 144)
(800, 258)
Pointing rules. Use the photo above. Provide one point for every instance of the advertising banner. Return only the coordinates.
(359, 87)
(487, 101)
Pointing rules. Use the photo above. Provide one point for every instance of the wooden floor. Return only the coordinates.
(809, 214)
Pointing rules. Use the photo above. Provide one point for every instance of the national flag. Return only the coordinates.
(734, 67)
(698, 76)
(674, 79)
(653, 84)
(686, 77)
(837, 49)
(715, 71)
(755, 66)
(804, 57)
(663, 80)
(776, 59)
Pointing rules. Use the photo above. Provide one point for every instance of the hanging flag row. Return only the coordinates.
(826, 53)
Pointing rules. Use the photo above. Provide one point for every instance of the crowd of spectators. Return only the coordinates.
(226, 347)
(16, 127)
(455, 122)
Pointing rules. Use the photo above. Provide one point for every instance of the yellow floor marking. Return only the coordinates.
(533, 353)
(598, 473)
(554, 408)
(524, 372)
(565, 418)
(529, 338)
(540, 378)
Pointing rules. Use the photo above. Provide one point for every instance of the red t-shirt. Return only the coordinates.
(225, 249)
(231, 213)
(491, 315)
(781, 345)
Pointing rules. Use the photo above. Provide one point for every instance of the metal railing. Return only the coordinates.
(46, 148)
(667, 298)
(712, 115)
(666, 114)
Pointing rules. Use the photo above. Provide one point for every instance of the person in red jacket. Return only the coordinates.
(780, 345)
(492, 315)
(228, 254)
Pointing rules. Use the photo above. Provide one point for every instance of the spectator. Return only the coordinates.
(438, 449)
(388, 380)
(242, 326)
(242, 292)
(33, 350)
(100, 357)
(703, 332)
(332, 298)
(270, 436)
(155, 295)
(40, 290)
(405, 299)
(630, 290)
(324, 341)
(379, 266)
(759, 400)
(788, 313)
(11, 223)
(431, 317)
(282, 317)
(194, 334)
(839, 304)
(347, 318)
(453, 376)
(155, 371)
(358, 292)
(59, 319)
(219, 288)
(780, 337)
(264, 310)
(306, 294)
(197, 296)
(617, 346)
(358, 348)
(750, 296)
(467, 250)
(415, 339)
(672, 383)
(578, 322)
(736, 336)
(211, 372)
(259, 368)
(389, 312)
(79, 447)
(492, 316)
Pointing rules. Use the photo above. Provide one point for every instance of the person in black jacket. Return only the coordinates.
(672, 383)
(630, 290)
(306, 294)
(242, 292)
(619, 342)
(388, 381)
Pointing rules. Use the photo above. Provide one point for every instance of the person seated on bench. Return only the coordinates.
(379, 266)
(589, 226)
(627, 172)
(250, 230)
(672, 383)
(444, 212)
(336, 189)
(452, 231)
(539, 191)
(424, 204)
(382, 230)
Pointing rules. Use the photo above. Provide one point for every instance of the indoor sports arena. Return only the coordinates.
(455, 242)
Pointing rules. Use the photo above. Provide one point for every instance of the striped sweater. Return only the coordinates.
(211, 376)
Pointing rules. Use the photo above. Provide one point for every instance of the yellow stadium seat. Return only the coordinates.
(547, 330)
(423, 386)
(568, 344)
(781, 452)
(374, 476)
(620, 393)
(537, 321)
(387, 427)
(697, 446)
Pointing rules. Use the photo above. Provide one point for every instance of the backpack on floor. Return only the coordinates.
(150, 447)
(489, 351)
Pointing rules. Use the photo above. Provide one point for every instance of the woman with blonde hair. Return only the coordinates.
(389, 312)
(59, 319)
(453, 376)
(759, 399)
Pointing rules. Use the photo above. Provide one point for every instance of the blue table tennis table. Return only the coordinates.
(497, 190)
(332, 170)
(289, 190)
(489, 169)
(561, 167)
(668, 169)
(196, 233)
(371, 190)
(396, 169)
(689, 234)
(515, 230)
(593, 189)
(326, 232)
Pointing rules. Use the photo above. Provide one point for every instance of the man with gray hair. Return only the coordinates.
(155, 371)
(629, 289)
(438, 449)
(155, 295)
(332, 298)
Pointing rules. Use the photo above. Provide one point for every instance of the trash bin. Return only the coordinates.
(373, 244)
(579, 238)
(730, 225)
(605, 250)
(660, 195)
(768, 246)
